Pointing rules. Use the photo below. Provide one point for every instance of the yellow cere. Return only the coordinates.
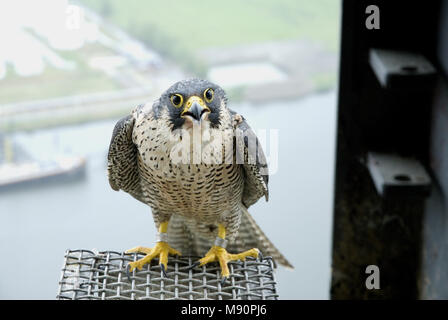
(190, 101)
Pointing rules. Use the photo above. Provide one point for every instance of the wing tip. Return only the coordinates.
(114, 186)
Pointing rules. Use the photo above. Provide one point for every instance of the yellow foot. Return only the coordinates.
(220, 254)
(161, 249)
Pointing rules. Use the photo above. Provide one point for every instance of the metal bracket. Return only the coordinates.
(395, 175)
(402, 69)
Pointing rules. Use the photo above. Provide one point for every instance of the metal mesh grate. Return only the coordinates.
(90, 275)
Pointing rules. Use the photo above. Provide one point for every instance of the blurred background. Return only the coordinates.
(70, 70)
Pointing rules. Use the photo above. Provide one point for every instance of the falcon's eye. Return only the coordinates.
(176, 100)
(209, 94)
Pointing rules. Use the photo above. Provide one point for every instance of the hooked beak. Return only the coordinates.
(195, 108)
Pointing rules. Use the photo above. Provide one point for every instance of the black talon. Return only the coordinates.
(162, 266)
(260, 255)
(194, 265)
(223, 280)
(127, 272)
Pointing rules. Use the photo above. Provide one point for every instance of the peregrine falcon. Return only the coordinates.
(199, 166)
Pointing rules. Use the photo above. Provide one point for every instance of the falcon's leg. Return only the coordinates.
(220, 254)
(161, 250)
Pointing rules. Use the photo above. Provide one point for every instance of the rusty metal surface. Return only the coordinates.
(434, 277)
(88, 275)
(381, 110)
(370, 230)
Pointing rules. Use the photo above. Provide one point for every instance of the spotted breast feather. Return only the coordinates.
(193, 202)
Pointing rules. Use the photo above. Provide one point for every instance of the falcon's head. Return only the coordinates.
(194, 101)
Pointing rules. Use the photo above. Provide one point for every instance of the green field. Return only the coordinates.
(53, 82)
(181, 28)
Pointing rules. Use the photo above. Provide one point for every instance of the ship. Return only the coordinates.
(17, 168)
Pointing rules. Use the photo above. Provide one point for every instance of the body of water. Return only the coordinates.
(37, 224)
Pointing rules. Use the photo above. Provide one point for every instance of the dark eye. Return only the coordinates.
(208, 94)
(176, 100)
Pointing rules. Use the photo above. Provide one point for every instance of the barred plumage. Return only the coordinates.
(194, 196)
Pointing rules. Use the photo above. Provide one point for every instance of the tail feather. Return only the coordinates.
(184, 237)
(250, 236)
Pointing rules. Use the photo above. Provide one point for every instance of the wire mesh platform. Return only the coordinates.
(88, 275)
